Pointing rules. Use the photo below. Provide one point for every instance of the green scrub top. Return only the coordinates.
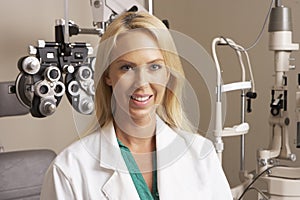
(136, 176)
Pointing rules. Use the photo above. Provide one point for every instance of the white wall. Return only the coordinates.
(24, 21)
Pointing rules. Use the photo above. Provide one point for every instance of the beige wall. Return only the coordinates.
(23, 22)
(241, 21)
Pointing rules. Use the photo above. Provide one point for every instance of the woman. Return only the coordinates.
(144, 148)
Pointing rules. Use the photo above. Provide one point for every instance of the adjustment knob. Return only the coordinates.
(47, 107)
(31, 65)
(86, 107)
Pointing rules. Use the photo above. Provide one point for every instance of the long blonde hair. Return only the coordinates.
(170, 111)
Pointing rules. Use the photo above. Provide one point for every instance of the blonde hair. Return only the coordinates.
(170, 111)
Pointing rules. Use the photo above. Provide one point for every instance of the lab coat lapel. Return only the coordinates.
(170, 148)
(170, 145)
(110, 155)
(119, 185)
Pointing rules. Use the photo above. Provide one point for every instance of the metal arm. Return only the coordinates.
(104, 11)
(280, 29)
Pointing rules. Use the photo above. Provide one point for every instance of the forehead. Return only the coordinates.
(141, 57)
(133, 41)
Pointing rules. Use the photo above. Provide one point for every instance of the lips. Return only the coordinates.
(141, 98)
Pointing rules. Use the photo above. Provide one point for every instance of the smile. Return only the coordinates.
(141, 98)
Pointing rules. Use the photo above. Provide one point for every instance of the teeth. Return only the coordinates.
(141, 99)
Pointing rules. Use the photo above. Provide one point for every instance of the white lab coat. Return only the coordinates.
(93, 169)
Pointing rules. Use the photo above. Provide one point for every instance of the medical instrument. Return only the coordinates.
(283, 182)
(104, 11)
(9, 100)
(40, 84)
(53, 69)
(221, 89)
(242, 128)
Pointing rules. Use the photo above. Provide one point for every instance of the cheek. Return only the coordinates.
(160, 78)
(121, 88)
(120, 81)
(160, 92)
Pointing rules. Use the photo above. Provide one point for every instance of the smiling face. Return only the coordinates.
(138, 77)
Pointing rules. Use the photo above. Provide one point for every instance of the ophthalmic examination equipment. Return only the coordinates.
(53, 69)
(283, 182)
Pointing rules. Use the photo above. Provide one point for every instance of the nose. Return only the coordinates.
(141, 77)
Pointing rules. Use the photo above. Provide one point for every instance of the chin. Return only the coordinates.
(142, 114)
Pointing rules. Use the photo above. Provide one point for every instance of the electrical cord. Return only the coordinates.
(239, 48)
(259, 35)
(256, 178)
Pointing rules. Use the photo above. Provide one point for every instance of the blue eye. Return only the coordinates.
(126, 67)
(155, 67)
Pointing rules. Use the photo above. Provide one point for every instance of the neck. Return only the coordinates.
(139, 139)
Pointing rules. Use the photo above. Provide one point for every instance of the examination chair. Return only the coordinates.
(22, 173)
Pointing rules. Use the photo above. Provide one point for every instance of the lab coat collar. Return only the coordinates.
(110, 156)
(119, 185)
(170, 147)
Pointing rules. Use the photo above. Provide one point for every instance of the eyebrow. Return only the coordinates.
(156, 60)
(152, 61)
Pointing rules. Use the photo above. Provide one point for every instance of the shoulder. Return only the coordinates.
(82, 152)
(181, 140)
(200, 145)
(74, 169)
